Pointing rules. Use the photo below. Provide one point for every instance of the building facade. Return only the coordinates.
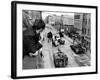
(78, 21)
(35, 15)
(86, 30)
(68, 22)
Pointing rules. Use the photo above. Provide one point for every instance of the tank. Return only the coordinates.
(60, 60)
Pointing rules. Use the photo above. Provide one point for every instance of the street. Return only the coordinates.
(48, 51)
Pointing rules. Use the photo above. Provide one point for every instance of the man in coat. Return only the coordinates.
(31, 38)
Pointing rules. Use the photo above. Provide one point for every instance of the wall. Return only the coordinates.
(78, 19)
(68, 20)
(5, 40)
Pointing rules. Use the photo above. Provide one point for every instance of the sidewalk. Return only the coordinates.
(82, 60)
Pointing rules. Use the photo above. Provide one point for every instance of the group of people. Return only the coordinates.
(56, 39)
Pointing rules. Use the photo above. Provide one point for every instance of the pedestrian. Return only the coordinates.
(31, 38)
(49, 36)
(61, 34)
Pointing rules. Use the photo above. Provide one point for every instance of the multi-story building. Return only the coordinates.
(54, 20)
(61, 21)
(68, 22)
(78, 20)
(51, 19)
(86, 30)
(82, 22)
(58, 23)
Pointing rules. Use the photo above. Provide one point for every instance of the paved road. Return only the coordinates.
(48, 51)
(67, 50)
(47, 55)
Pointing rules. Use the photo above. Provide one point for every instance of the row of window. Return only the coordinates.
(86, 31)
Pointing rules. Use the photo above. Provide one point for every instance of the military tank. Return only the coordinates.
(60, 59)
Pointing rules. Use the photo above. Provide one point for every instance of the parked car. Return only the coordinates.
(78, 49)
(60, 59)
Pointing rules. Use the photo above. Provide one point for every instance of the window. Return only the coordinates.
(88, 31)
(77, 16)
